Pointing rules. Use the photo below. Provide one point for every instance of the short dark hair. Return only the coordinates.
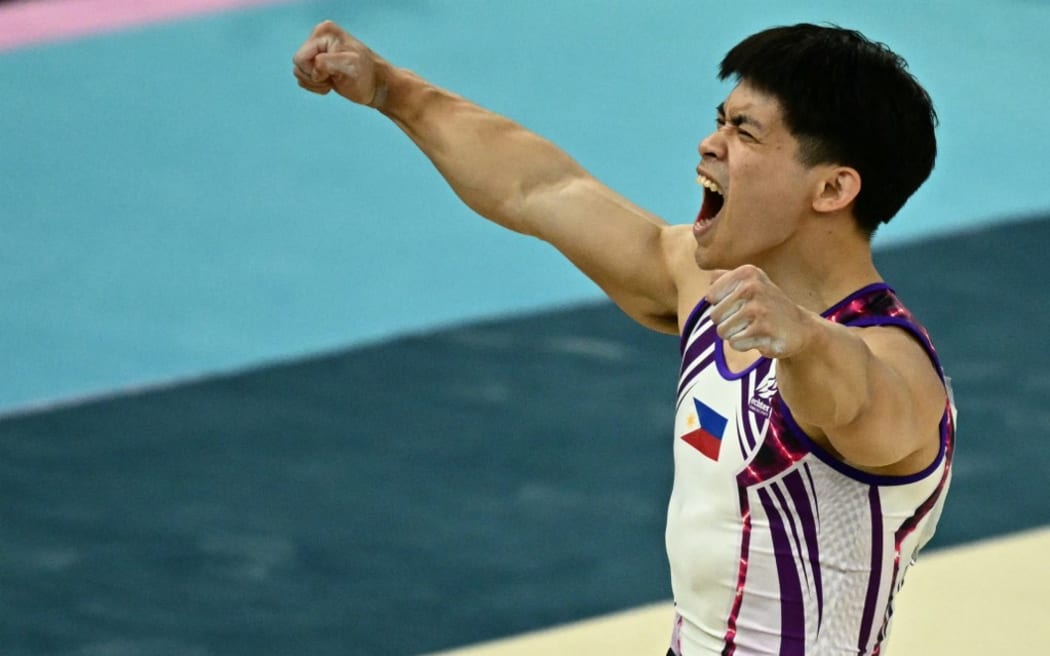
(850, 101)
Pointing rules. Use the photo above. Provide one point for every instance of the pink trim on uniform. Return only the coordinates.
(741, 578)
(35, 21)
(912, 522)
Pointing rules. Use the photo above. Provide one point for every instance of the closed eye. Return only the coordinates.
(721, 123)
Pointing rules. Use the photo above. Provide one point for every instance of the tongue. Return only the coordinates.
(712, 204)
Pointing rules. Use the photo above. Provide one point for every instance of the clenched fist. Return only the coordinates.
(750, 312)
(331, 59)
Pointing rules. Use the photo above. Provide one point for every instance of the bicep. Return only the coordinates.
(906, 398)
(632, 255)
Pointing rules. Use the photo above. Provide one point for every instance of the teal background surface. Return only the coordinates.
(174, 205)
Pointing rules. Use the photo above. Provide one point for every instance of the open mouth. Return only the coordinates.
(714, 199)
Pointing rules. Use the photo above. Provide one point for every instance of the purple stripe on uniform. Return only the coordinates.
(762, 369)
(812, 490)
(746, 392)
(690, 323)
(805, 510)
(685, 378)
(792, 606)
(741, 574)
(871, 600)
(791, 427)
(791, 523)
(740, 428)
(688, 371)
(859, 294)
(910, 524)
(747, 434)
(705, 363)
(703, 341)
(779, 450)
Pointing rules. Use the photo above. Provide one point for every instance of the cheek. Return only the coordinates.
(776, 191)
(759, 193)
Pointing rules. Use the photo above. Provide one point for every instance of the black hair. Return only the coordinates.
(849, 101)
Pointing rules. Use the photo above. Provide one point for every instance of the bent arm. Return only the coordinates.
(872, 392)
(870, 395)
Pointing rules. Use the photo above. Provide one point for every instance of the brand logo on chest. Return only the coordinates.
(761, 402)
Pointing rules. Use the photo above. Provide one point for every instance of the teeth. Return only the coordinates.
(708, 183)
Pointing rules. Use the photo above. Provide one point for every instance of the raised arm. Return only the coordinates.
(514, 177)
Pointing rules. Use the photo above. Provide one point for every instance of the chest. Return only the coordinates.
(722, 412)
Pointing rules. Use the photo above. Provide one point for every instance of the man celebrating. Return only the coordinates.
(813, 428)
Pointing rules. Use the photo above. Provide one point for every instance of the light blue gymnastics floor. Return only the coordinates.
(174, 206)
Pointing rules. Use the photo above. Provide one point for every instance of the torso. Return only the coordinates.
(765, 525)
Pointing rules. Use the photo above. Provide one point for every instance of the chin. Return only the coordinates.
(708, 261)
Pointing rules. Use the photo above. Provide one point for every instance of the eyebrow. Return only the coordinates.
(739, 118)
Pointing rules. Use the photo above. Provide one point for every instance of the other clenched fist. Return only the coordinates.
(750, 312)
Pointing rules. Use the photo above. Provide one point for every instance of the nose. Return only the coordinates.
(713, 146)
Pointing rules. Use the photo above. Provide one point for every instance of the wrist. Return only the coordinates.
(381, 77)
(813, 336)
(379, 95)
(400, 94)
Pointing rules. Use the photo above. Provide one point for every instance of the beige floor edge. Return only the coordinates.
(989, 597)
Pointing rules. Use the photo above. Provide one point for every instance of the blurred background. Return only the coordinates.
(270, 389)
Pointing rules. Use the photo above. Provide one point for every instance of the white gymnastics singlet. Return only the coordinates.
(776, 546)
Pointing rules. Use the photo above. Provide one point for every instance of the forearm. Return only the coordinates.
(493, 164)
(510, 175)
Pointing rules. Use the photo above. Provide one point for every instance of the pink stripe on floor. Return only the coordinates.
(33, 21)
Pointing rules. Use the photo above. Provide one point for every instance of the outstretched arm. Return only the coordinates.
(513, 177)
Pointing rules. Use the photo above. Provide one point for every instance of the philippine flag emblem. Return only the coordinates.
(707, 438)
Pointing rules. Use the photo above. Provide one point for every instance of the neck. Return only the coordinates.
(819, 269)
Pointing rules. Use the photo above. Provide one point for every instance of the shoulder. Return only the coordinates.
(691, 282)
(904, 352)
(677, 249)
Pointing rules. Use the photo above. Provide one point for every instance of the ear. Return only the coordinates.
(836, 189)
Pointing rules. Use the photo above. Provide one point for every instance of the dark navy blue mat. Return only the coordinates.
(442, 489)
